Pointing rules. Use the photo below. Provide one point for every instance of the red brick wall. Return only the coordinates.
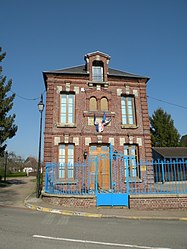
(151, 202)
(82, 130)
(148, 202)
(71, 201)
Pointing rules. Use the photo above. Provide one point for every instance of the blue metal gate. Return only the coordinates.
(104, 175)
(114, 190)
(113, 199)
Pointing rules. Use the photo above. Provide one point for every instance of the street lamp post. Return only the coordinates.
(5, 163)
(40, 108)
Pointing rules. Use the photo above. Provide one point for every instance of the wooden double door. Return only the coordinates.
(99, 167)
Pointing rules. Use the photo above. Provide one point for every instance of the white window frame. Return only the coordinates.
(131, 160)
(128, 110)
(97, 73)
(66, 161)
(67, 108)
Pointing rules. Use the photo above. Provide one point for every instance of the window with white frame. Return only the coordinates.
(128, 110)
(67, 108)
(131, 160)
(97, 71)
(66, 161)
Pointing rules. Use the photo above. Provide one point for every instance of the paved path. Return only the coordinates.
(16, 190)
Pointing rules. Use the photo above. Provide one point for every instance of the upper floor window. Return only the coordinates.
(128, 110)
(97, 71)
(93, 104)
(66, 161)
(67, 110)
(104, 104)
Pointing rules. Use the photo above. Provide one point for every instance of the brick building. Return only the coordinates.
(80, 98)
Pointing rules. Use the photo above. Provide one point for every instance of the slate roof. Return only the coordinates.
(171, 152)
(81, 70)
(114, 72)
(72, 70)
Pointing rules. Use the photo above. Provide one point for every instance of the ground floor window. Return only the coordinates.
(66, 161)
(131, 160)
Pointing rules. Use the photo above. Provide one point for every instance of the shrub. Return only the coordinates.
(17, 174)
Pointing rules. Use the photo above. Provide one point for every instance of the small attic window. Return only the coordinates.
(97, 71)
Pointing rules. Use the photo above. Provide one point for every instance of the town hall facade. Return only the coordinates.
(90, 108)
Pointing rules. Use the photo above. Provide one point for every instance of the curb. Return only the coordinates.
(62, 212)
(94, 215)
(57, 211)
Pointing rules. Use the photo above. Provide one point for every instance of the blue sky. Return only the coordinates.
(145, 37)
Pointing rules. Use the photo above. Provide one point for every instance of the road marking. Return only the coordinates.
(63, 221)
(52, 218)
(97, 242)
(48, 219)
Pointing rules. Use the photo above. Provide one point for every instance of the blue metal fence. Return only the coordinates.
(155, 177)
(161, 177)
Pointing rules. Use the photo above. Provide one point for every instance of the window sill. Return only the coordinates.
(66, 182)
(102, 83)
(133, 180)
(129, 126)
(67, 125)
(98, 113)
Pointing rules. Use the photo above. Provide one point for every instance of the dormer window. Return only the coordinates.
(97, 71)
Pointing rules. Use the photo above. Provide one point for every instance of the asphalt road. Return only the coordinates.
(28, 229)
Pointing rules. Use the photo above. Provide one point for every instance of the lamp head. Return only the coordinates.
(85, 155)
(41, 104)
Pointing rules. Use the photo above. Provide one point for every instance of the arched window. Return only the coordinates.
(104, 104)
(93, 104)
(97, 71)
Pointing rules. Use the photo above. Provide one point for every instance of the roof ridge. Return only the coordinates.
(97, 52)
